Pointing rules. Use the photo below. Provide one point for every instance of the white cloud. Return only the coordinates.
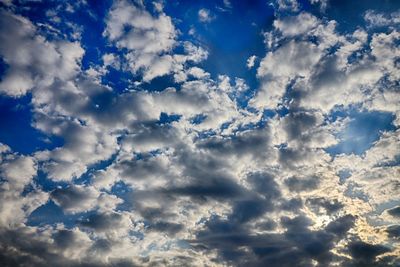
(322, 3)
(292, 60)
(83, 146)
(260, 176)
(288, 5)
(251, 61)
(17, 172)
(376, 19)
(298, 25)
(227, 4)
(205, 15)
(150, 41)
(32, 61)
(147, 37)
(76, 198)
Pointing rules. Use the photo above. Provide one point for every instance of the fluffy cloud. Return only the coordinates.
(31, 60)
(149, 40)
(17, 173)
(297, 25)
(198, 168)
(204, 15)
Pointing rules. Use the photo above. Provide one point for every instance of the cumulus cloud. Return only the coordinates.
(31, 60)
(16, 174)
(205, 15)
(149, 40)
(163, 161)
(297, 25)
(376, 19)
(251, 61)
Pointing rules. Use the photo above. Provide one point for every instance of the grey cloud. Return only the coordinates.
(26, 248)
(101, 221)
(227, 190)
(254, 142)
(322, 205)
(74, 198)
(394, 231)
(264, 183)
(302, 184)
(246, 210)
(149, 136)
(394, 211)
(214, 186)
(166, 227)
(140, 169)
(298, 246)
(341, 226)
(365, 254)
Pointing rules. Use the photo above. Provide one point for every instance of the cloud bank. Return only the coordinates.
(161, 142)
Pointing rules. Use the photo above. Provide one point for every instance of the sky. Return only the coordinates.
(200, 133)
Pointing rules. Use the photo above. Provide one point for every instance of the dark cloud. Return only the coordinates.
(302, 184)
(25, 248)
(298, 124)
(365, 254)
(254, 142)
(297, 246)
(264, 183)
(218, 187)
(246, 210)
(394, 231)
(293, 204)
(395, 211)
(74, 198)
(101, 221)
(341, 226)
(321, 205)
(166, 227)
(144, 168)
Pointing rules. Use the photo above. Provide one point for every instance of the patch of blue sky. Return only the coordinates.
(159, 84)
(362, 131)
(47, 184)
(51, 214)
(86, 178)
(231, 36)
(344, 175)
(168, 118)
(343, 11)
(198, 119)
(124, 192)
(16, 127)
(353, 191)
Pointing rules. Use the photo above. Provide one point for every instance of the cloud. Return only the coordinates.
(150, 41)
(31, 60)
(251, 61)
(292, 5)
(16, 175)
(147, 37)
(298, 25)
(91, 145)
(75, 199)
(375, 19)
(163, 161)
(322, 3)
(205, 15)
(395, 211)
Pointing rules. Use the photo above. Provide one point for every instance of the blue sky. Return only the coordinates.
(199, 133)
